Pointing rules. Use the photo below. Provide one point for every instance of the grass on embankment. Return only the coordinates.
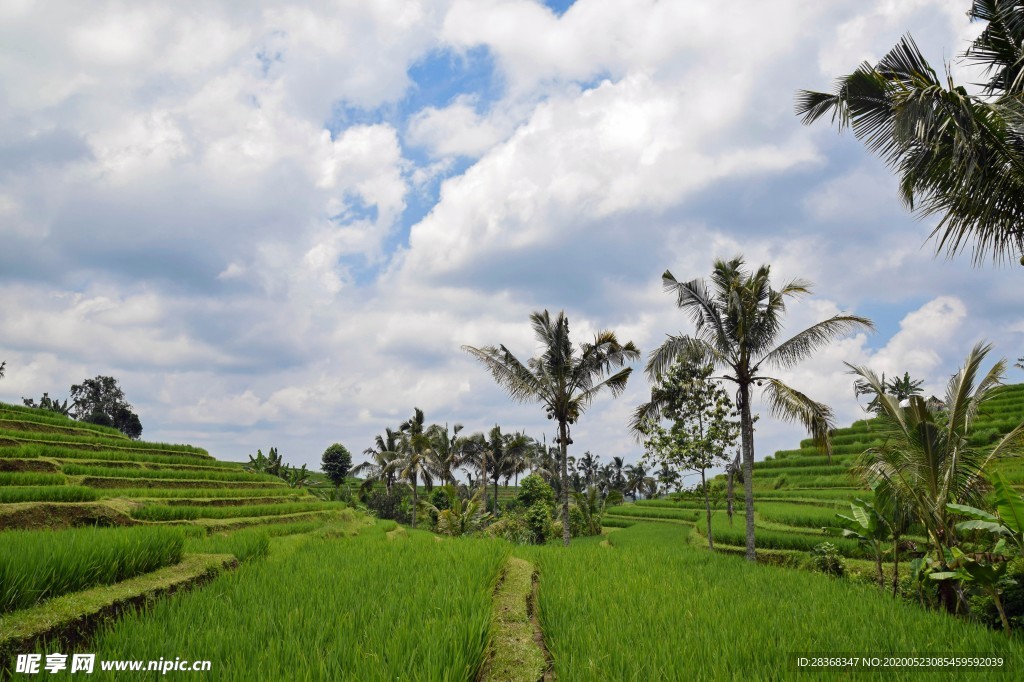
(159, 512)
(71, 615)
(38, 565)
(514, 654)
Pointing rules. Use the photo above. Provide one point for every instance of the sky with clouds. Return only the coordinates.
(277, 224)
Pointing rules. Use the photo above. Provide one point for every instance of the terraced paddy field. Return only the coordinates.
(267, 582)
(797, 492)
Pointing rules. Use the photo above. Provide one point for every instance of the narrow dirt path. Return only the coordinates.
(517, 652)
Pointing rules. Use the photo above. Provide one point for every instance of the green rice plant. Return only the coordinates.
(367, 607)
(97, 442)
(728, 619)
(30, 478)
(613, 522)
(37, 565)
(55, 493)
(159, 512)
(799, 470)
(38, 416)
(797, 514)
(841, 494)
(179, 484)
(670, 503)
(178, 492)
(243, 544)
(210, 474)
(34, 450)
(795, 461)
(735, 534)
(631, 511)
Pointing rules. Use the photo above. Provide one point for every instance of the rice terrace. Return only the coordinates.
(330, 254)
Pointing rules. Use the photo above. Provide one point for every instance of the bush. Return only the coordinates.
(827, 559)
(534, 489)
(394, 505)
(577, 522)
(538, 520)
(511, 528)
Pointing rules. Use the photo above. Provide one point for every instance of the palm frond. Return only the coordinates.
(789, 404)
(802, 345)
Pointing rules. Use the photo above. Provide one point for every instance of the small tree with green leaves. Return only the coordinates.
(867, 526)
(336, 462)
(703, 424)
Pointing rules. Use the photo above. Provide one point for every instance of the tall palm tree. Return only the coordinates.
(415, 457)
(639, 481)
(958, 155)
(738, 320)
(926, 461)
(504, 453)
(379, 467)
(447, 447)
(564, 379)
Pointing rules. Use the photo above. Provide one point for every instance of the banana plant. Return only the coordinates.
(867, 526)
(987, 569)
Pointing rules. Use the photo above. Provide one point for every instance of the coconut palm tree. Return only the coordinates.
(415, 457)
(447, 448)
(564, 379)
(379, 467)
(958, 155)
(504, 454)
(738, 320)
(926, 461)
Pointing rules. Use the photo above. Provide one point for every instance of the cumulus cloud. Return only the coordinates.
(235, 208)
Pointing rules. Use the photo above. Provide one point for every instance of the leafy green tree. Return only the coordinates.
(926, 460)
(737, 322)
(336, 462)
(101, 401)
(703, 424)
(564, 379)
(958, 155)
(593, 505)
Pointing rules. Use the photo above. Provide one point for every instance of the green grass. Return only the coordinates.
(37, 565)
(158, 512)
(46, 417)
(803, 515)
(56, 493)
(177, 483)
(190, 474)
(36, 450)
(354, 608)
(184, 493)
(735, 534)
(30, 478)
(630, 511)
(97, 441)
(243, 544)
(652, 607)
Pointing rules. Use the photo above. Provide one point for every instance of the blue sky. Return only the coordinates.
(276, 225)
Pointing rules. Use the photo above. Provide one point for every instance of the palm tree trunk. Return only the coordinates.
(747, 427)
(707, 508)
(896, 566)
(563, 446)
(415, 500)
(495, 495)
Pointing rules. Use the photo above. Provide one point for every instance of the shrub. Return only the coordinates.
(534, 489)
(394, 505)
(511, 528)
(827, 559)
(538, 520)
